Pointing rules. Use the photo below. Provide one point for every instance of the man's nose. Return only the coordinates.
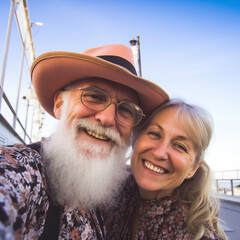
(107, 117)
(161, 151)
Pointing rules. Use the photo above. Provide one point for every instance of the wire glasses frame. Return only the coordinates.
(97, 99)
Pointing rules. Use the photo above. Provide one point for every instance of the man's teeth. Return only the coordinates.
(101, 137)
(153, 168)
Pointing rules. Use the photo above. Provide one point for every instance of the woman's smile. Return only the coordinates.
(153, 168)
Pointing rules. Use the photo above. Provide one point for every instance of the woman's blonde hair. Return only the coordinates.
(195, 193)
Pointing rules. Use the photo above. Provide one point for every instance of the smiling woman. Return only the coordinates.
(164, 156)
(168, 166)
(172, 197)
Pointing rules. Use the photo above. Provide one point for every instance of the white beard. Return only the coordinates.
(89, 175)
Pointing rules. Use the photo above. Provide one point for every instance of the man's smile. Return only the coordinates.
(94, 132)
(96, 135)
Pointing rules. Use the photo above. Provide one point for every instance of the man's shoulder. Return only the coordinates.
(21, 165)
(13, 147)
(19, 154)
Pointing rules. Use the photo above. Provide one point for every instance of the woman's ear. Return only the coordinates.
(192, 172)
(58, 104)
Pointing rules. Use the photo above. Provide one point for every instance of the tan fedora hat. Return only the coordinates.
(52, 71)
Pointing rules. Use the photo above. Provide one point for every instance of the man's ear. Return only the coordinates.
(58, 104)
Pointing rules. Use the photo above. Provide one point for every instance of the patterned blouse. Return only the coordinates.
(24, 201)
(158, 219)
(24, 204)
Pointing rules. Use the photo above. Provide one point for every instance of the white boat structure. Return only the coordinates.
(20, 113)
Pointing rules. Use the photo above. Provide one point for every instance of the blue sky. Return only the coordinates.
(190, 48)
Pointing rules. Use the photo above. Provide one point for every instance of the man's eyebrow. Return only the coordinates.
(122, 99)
(117, 97)
(91, 85)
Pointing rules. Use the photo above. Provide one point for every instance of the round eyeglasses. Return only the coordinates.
(97, 99)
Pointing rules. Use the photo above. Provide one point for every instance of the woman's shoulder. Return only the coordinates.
(210, 233)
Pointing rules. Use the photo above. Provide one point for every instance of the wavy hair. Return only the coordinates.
(195, 193)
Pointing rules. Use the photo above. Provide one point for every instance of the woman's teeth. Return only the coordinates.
(101, 137)
(153, 168)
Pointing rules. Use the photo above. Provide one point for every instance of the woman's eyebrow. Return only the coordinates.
(183, 138)
(157, 125)
(179, 137)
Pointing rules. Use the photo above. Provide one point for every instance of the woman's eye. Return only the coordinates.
(181, 147)
(154, 134)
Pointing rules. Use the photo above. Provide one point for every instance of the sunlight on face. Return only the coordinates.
(106, 119)
(164, 156)
(87, 174)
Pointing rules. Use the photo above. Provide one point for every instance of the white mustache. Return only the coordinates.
(108, 132)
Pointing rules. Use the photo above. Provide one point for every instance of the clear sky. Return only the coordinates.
(190, 48)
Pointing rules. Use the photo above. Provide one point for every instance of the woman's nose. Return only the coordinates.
(160, 151)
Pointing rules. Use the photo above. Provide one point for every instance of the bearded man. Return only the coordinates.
(53, 189)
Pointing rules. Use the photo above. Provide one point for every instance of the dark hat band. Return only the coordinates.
(121, 62)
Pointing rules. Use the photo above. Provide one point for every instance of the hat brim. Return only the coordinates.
(54, 70)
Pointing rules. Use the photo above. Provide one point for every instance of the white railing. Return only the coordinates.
(227, 182)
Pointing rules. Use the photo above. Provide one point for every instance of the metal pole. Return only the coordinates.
(139, 57)
(32, 124)
(232, 188)
(217, 186)
(6, 50)
(19, 86)
(26, 120)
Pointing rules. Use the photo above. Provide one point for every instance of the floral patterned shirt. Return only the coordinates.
(24, 201)
(158, 219)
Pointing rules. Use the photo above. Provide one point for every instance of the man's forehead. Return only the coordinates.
(114, 89)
